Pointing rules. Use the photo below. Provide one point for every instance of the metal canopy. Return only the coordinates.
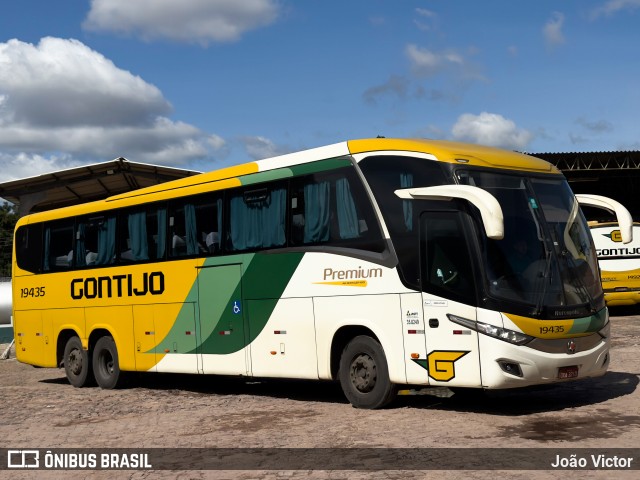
(590, 161)
(612, 174)
(85, 184)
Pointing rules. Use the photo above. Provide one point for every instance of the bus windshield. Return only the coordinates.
(546, 258)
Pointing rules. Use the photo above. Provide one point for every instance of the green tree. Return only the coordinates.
(8, 219)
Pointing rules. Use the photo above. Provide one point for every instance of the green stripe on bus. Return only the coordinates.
(592, 323)
(266, 176)
(316, 167)
(303, 169)
(252, 282)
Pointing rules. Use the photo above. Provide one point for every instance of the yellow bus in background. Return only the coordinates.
(619, 263)
(375, 262)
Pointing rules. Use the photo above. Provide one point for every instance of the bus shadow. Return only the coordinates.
(297, 390)
(523, 401)
(529, 400)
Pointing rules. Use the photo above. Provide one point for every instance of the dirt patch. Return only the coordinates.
(41, 410)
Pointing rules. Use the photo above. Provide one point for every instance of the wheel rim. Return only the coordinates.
(106, 363)
(363, 373)
(75, 361)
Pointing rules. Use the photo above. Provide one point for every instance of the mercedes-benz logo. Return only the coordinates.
(571, 346)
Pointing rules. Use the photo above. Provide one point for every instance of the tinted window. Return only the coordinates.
(257, 217)
(143, 234)
(58, 245)
(446, 263)
(29, 247)
(194, 226)
(333, 209)
(95, 241)
(385, 175)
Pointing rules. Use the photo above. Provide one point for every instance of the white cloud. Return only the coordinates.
(612, 7)
(191, 21)
(427, 63)
(261, 147)
(552, 30)
(427, 19)
(423, 12)
(63, 82)
(424, 61)
(60, 99)
(24, 165)
(490, 129)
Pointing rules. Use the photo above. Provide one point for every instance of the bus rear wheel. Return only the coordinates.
(76, 363)
(106, 368)
(364, 375)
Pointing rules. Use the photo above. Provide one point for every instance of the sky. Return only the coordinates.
(204, 84)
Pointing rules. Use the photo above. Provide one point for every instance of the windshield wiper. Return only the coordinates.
(547, 271)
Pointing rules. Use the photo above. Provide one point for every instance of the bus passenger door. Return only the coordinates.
(221, 313)
(448, 290)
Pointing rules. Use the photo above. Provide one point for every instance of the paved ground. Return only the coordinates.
(39, 409)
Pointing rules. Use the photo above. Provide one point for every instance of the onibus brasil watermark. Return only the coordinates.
(19, 459)
(357, 458)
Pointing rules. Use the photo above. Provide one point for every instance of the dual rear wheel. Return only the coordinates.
(101, 366)
(364, 373)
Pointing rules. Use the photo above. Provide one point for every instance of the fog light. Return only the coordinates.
(510, 368)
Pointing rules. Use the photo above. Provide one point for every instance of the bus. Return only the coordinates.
(375, 263)
(619, 263)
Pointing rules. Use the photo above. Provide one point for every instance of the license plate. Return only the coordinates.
(568, 372)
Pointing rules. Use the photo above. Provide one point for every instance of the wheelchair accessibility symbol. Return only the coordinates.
(236, 307)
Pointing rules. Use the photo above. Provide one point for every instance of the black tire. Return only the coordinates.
(106, 368)
(77, 364)
(364, 374)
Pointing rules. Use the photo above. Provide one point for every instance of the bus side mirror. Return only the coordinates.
(625, 221)
(489, 207)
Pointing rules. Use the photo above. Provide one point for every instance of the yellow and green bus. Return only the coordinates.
(375, 262)
(619, 263)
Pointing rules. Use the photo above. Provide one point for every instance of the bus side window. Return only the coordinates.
(29, 247)
(143, 234)
(95, 241)
(257, 217)
(194, 226)
(58, 245)
(446, 263)
(333, 209)
(310, 211)
(208, 212)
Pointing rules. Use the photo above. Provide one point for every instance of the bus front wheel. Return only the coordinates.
(105, 363)
(364, 375)
(76, 363)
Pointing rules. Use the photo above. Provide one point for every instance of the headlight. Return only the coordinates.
(504, 334)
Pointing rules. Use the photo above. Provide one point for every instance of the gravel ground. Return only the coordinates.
(39, 409)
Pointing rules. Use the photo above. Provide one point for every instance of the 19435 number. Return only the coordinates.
(552, 329)
(32, 292)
